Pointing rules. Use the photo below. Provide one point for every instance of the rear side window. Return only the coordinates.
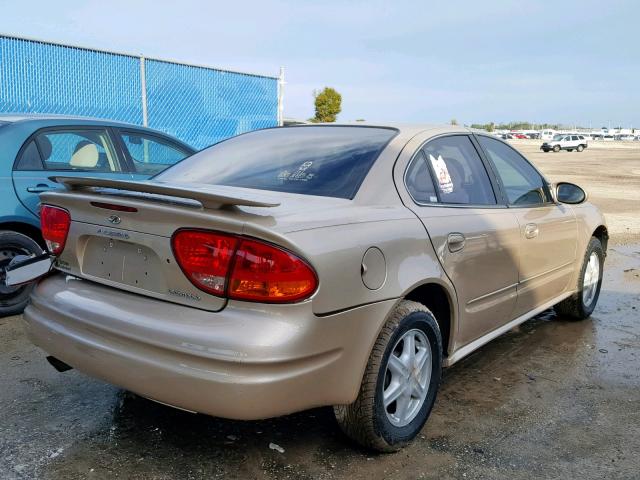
(29, 158)
(83, 150)
(418, 180)
(458, 171)
(151, 154)
(329, 161)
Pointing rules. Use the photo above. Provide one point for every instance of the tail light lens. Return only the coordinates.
(55, 223)
(241, 268)
(264, 273)
(205, 257)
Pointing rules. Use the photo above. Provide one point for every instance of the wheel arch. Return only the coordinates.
(24, 228)
(602, 234)
(437, 298)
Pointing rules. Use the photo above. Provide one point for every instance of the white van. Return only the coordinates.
(547, 134)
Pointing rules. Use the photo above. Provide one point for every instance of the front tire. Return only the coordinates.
(556, 148)
(400, 382)
(13, 300)
(582, 303)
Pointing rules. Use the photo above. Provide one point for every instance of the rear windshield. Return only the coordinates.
(330, 161)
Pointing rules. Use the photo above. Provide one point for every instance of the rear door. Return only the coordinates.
(475, 238)
(69, 151)
(548, 230)
(149, 154)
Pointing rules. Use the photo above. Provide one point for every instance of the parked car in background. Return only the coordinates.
(533, 135)
(34, 148)
(285, 274)
(520, 136)
(547, 134)
(569, 142)
(625, 137)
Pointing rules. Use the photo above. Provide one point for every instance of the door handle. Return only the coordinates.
(531, 230)
(41, 187)
(455, 242)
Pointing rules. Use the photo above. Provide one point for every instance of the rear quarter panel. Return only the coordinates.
(337, 255)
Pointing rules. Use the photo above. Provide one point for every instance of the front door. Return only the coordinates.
(476, 239)
(548, 231)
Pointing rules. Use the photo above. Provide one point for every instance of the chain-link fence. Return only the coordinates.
(199, 105)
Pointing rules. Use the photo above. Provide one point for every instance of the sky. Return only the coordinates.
(571, 62)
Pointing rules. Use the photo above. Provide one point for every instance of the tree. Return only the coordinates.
(491, 127)
(328, 104)
(453, 121)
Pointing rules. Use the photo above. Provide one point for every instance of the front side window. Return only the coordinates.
(84, 150)
(151, 154)
(523, 185)
(458, 172)
(329, 161)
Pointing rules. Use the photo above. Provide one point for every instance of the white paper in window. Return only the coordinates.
(442, 174)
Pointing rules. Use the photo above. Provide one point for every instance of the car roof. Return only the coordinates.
(35, 121)
(24, 117)
(406, 130)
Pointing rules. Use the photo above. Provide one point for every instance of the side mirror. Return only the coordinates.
(570, 193)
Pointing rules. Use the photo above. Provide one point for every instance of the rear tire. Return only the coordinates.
(580, 148)
(13, 300)
(387, 428)
(581, 304)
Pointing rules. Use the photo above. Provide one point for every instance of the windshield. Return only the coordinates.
(558, 137)
(329, 161)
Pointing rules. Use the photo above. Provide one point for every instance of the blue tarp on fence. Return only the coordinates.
(199, 105)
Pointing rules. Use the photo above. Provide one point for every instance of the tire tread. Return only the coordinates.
(357, 420)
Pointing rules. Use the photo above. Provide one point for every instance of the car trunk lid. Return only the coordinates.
(120, 233)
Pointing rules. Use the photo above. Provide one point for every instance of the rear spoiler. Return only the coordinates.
(209, 196)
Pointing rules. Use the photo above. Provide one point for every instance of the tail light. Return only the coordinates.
(55, 223)
(264, 273)
(205, 258)
(242, 268)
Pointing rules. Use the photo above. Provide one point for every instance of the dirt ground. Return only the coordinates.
(551, 399)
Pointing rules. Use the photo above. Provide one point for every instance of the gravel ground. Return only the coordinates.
(550, 399)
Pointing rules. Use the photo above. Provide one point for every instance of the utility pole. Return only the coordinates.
(281, 84)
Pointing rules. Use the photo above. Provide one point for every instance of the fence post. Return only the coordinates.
(281, 84)
(143, 87)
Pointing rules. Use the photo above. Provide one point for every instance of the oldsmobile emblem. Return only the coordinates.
(115, 219)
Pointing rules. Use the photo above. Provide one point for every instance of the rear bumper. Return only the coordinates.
(247, 362)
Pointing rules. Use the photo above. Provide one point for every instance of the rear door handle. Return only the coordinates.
(41, 187)
(531, 230)
(455, 242)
